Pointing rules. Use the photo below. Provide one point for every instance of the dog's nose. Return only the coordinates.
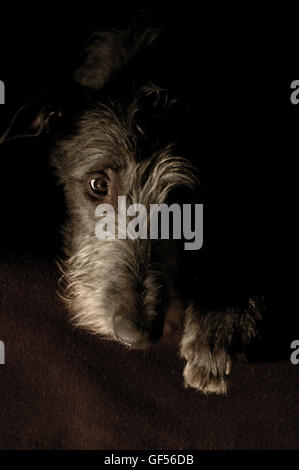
(130, 334)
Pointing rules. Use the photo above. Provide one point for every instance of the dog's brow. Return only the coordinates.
(91, 174)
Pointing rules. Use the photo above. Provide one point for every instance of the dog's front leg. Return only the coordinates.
(208, 342)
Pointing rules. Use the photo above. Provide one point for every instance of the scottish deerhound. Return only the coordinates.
(133, 290)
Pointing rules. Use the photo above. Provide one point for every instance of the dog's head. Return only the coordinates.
(118, 156)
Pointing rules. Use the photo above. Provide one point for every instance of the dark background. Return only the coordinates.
(236, 74)
(234, 71)
(235, 68)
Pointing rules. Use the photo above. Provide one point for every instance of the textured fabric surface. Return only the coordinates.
(66, 389)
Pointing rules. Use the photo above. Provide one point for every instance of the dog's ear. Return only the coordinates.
(109, 52)
(32, 120)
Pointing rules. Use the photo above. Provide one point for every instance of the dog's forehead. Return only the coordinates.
(102, 128)
(110, 134)
(100, 140)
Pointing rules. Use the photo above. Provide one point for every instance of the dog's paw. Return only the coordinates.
(207, 372)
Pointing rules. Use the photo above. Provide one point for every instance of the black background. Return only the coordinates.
(235, 67)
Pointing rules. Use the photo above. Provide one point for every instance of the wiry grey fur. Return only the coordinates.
(109, 284)
(103, 276)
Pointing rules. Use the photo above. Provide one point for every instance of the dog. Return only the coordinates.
(115, 135)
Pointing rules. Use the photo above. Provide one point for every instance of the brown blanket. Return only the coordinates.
(66, 389)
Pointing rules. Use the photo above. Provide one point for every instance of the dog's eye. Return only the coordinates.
(99, 185)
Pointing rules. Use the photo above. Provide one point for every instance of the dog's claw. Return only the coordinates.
(208, 372)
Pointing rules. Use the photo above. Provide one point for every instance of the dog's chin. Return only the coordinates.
(137, 345)
(128, 333)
